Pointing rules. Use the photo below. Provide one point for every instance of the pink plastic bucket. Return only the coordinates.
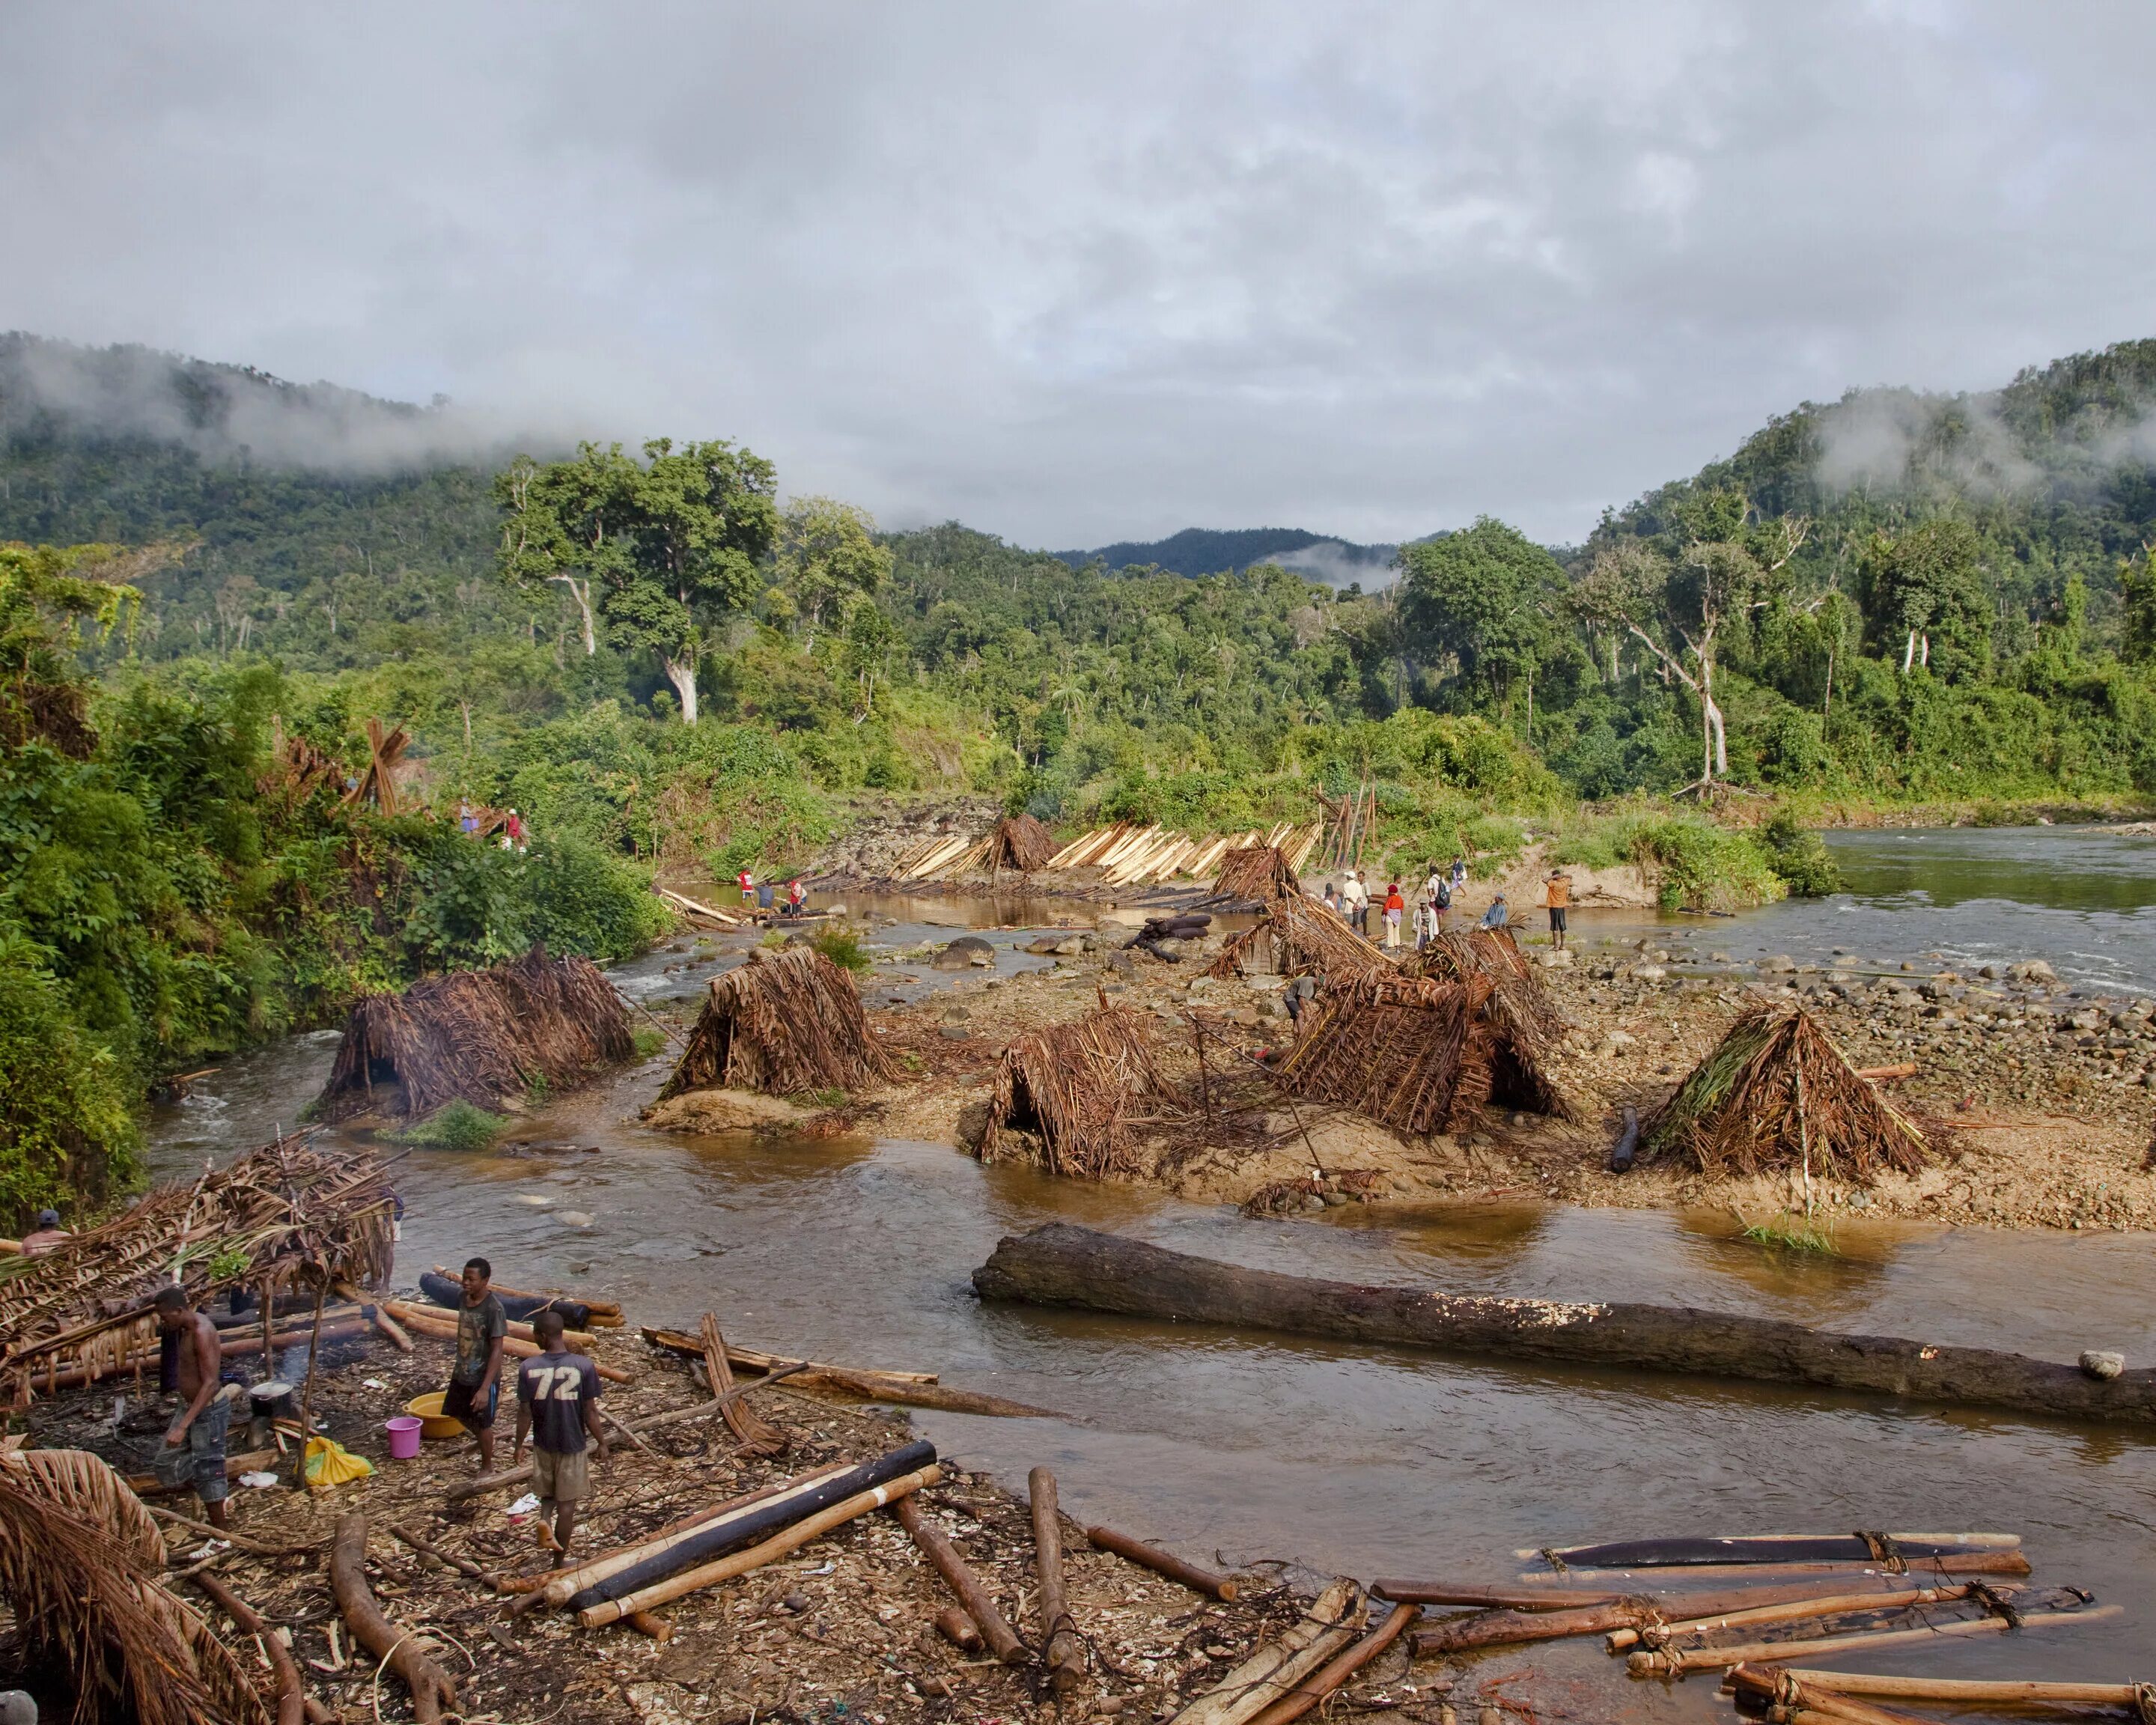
(403, 1438)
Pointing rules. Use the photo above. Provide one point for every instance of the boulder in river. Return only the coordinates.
(965, 953)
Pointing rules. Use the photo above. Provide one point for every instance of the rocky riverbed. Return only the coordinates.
(2039, 1097)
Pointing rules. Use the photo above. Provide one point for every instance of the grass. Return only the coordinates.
(1793, 1233)
(826, 1098)
(649, 1041)
(842, 947)
(460, 1126)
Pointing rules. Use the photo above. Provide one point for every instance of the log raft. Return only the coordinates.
(1061, 1265)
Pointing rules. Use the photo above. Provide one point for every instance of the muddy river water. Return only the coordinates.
(1366, 1460)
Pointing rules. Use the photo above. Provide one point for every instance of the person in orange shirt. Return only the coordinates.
(1395, 908)
(1557, 901)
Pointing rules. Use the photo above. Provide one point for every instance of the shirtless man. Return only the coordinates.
(194, 1444)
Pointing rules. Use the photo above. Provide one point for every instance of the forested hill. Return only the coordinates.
(1195, 552)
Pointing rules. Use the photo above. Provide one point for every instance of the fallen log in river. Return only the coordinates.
(1060, 1264)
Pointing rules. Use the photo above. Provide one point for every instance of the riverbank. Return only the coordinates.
(2038, 1097)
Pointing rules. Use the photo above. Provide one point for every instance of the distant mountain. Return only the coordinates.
(1195, 552)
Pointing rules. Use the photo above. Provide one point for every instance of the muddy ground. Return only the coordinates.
(2039, 1098)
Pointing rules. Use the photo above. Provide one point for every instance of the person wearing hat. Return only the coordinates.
(48, 1235)
(1556, 900)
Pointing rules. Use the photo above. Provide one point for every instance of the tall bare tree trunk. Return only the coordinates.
(581, 591)
(681, 673)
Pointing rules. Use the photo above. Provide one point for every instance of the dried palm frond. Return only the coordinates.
(478, 1036)
(1257, 872)
(85, 1604)
(1776, 1094)
(86, 1488)
(1017, 841)
(1076, 1086)
(1297, 934)
(1422, 1056)
(782, 1023)
(1491, 952)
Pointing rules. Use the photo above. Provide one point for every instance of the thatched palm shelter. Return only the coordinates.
(279, 1214)
(1421, 1056)
(80, 1566)
(1492, 953)
(1079, 1087)
(1017, 842)
(1296, 934)
(1776, 1094)
(782, 1023)
(1259, 873)
(479, 1036)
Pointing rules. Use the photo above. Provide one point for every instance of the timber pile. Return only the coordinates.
(1059, 1265)
(478, 1036)
(385, 754)
(1295, 935)
(1775, 1095)
(280, 1213)
(1421, 1056)
(1126, 854)
(1259, 874)
(80, 1563)
(784, 1023)
(1077, 1087)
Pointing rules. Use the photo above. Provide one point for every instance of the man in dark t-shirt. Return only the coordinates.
(558, 1407)
(475, 1380)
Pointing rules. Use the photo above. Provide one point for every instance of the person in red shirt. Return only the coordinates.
(1395, 908)
(796, 897)
(747, 887)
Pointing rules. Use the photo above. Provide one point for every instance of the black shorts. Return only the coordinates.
(461, 1404)
(1557, 919)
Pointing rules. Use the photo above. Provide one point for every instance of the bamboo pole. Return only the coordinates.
(961, 1581)
(1978, 1562)
(1066, 1658)
(1674, 1661)
(1313, 1689)
(1276, 1667)
(1792, 1611)
(899, 1490)
(2026, 1692)
(1162, 1562)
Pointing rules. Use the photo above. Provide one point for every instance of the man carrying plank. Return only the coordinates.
(558, 1407)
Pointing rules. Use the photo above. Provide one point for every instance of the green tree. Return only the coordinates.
(1486, 596)
(1925, 600)
(562, 522)
(2136, 587)
(827, 557)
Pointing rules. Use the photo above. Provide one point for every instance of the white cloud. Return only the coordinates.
(1080, 272)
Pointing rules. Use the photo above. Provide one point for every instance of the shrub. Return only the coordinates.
(457, 1125)
(1799, 856)
(66, 1127)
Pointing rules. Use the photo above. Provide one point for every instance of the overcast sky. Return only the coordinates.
(1080, 273)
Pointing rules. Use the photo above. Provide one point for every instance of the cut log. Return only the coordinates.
(1962, 1690)
(1850, 1549)
(752, 1359)
(649, 1623)
(462, 1566)
(1880, 1074)
(432, 1691)
(1313, 1689)
(757, 1435)
(1163, 1563)
(913, 1389)
(1786, 1611)
(1446, 1593)
(599, 1309)
(1060, 1264)
(1506, 1629)
(291, 1693)
(643, 1580)
(1066, 1658)
(960, 1578)
(1636, 1581)
(409, 1311)
(791, 1539)
(957, 1629)
(1273, 1671)
(444, 1329)
(1651, 1662)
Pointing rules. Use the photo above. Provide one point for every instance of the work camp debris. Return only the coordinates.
(485, 1037)
(786, 1024)
(280, 1213)
(1257, 874)
(385, 756)
(1078, 1088)
(1421, 1056)
(1776, 1094)
(1296, 936)
(1492, 953)
(1016, 842)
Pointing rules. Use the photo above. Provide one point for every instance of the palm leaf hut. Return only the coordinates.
(479, 1036)
(1257, 874)
(784, 1023)
(1296, 934)
(1492, 953)
(1775, 1094)
(1017, 842)
(1078, 1088)
(281, 1213)
(1421, 1056)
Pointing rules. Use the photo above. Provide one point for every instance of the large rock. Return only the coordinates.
(966, 952)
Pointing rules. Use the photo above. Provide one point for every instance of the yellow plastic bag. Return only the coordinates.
(329, 1463)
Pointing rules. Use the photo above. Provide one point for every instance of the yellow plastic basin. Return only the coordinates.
(434, 1423)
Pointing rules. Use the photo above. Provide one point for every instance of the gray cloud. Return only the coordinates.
(1081, 273)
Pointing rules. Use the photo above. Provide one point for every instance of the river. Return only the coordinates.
(1368, 1460)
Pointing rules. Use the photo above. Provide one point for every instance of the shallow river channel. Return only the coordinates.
(1365, 1460)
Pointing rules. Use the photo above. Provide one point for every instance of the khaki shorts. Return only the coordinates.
(561, 1478)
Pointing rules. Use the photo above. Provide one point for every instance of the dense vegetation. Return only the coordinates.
(1890, 598)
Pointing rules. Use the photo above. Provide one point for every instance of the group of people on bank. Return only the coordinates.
(1353, 901)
